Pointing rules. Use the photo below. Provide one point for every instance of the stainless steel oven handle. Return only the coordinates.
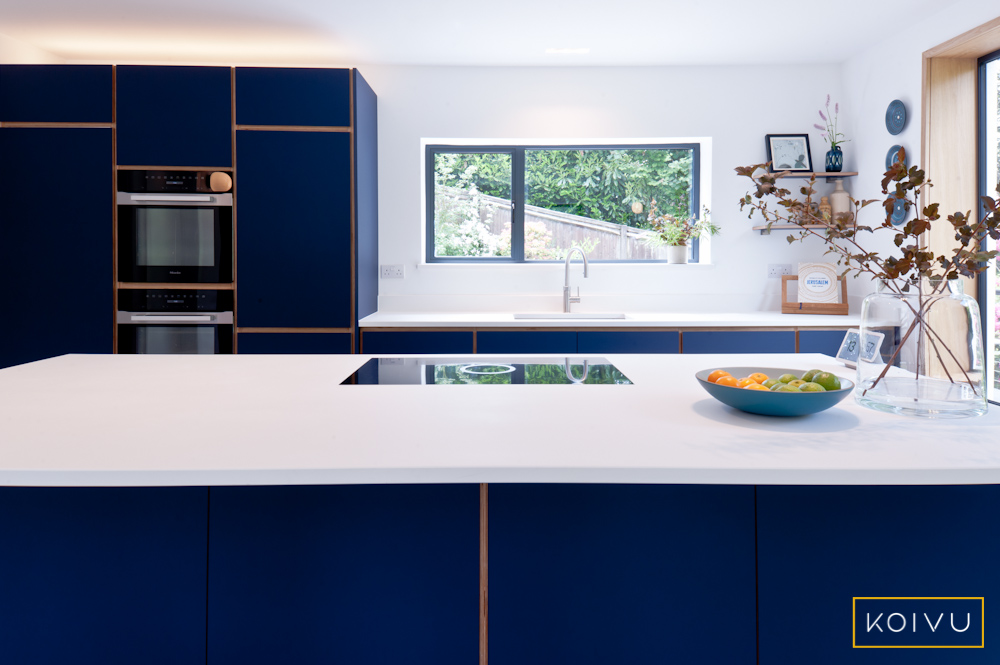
(172, 318)
(176, 197)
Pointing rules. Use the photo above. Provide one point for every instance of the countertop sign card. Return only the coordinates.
(818, 283)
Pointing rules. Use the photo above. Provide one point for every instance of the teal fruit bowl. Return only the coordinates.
(771, 403)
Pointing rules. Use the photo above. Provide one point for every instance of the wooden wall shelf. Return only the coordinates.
(839, 308)
(764, 231)
(829, 175)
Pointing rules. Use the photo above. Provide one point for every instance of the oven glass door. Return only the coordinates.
(175, 244)
(175, 339)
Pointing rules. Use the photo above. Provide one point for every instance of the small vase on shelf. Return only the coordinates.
(840, 199)
(834, 159)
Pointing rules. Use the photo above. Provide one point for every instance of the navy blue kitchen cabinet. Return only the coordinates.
(821, 341)
(293, 229)
(293, 96)
(366, 197)
(293, 342)
(174, 116)
(344, 574)
(382, 341)
(56, 93)
(638, 341)
(739, 341)
(529, 341)
(820, 547)
(115, 576)
(597, 574)
(55, 243)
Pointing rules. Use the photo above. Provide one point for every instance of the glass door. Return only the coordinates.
(989, 177)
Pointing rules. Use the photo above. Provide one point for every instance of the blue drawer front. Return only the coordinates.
(56, 93)
(293, 96)
(726, 341)
(488, 341)
(115, 576)
(598, 574)
(293, 343)
(628, 342)
(344, 574)
(416, 342)
(821, 341)
(174, 116)
(819, 547)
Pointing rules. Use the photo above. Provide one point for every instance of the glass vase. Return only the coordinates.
(930, 361)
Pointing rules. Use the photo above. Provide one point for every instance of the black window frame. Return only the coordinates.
(518, 195)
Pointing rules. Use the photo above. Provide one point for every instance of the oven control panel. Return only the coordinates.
(174, 181)
(170, 300)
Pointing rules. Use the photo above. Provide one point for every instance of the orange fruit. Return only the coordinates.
(759, 377)
(726, 381)
(745, 381)
(756, 386)
(716, 375)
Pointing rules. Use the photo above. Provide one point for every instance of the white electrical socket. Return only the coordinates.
(776, 270)
(394, 271)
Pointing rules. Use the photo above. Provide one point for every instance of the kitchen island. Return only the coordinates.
(364, 524)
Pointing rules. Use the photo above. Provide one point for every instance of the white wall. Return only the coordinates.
(735, 106)
(14, 52)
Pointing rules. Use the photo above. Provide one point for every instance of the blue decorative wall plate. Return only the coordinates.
(898, 213)
(895, 117)
(892, 156)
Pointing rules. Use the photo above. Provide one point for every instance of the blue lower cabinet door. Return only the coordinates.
(293, 342)
(115, 576)
(639, 341)
(820, 548)
(739, 341)
(599, 574)
(515, 341)
(821, 341)
(344, 574)
(416, 342)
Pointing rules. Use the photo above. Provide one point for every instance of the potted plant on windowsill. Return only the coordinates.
(675, 232)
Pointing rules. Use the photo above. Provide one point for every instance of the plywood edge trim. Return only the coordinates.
(295, 330)
(292, 128)
(973, 43)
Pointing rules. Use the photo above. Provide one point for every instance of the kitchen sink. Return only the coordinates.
(497, 370)
(569, 315)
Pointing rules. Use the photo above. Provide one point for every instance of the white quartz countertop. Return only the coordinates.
(631, 320)
(260, 420)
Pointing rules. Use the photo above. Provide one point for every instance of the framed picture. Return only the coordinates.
(789, 152)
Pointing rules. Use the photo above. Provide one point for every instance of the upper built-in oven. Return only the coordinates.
(175, 227)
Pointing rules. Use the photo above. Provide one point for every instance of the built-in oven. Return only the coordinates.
(167, 321)
(175, 227)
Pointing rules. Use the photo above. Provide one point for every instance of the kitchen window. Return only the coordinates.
(532, 203)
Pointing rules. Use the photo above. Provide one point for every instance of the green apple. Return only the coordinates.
(787, 378)
(811, 387)
(827, 380)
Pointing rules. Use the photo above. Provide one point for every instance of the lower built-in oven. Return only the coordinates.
(168, 321)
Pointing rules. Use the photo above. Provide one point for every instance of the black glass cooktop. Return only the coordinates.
(436, 371)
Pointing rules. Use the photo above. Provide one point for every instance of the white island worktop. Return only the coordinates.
(265, 420)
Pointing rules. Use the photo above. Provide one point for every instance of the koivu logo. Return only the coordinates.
(919, 623)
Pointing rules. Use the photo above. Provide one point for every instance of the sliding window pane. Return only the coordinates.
(599, 200)
(472, 205)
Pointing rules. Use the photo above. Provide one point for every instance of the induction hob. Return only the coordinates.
(436, 371)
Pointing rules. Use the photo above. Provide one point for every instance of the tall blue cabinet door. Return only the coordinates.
(293, 229)
(55, 243)
(349, 574)
(115, 576)
(56, 93)
(598, 574)
(174, 116)
(820, 547)
(366, 196)
(293, 96)
(738, 341)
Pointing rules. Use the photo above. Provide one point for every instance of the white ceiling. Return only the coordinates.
(456, 32)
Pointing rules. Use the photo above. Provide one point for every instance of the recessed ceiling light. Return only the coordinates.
(567, 51)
